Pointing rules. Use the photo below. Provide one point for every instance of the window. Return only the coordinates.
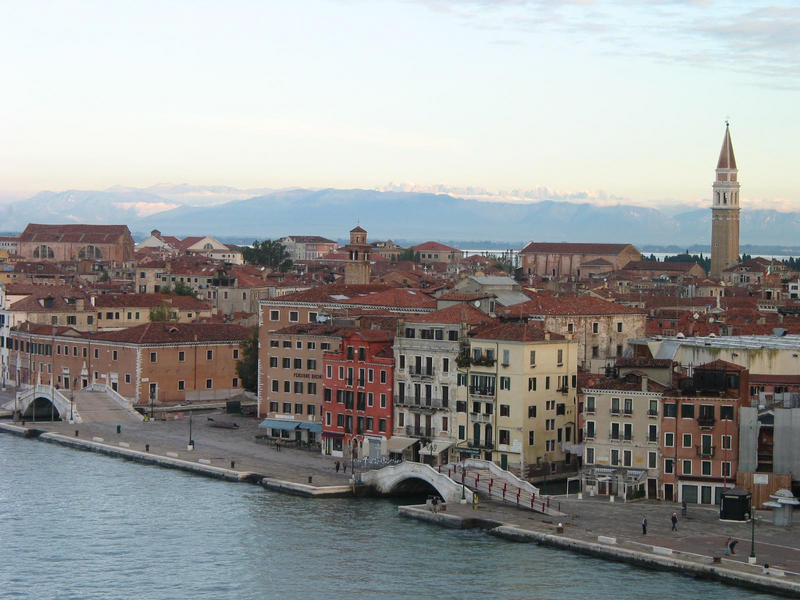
(312, 317)
(687, 467)
(298, 408)
(275, 385)
(325, 345)
(298, 387)
(326, 394)
(409, 332)
(274, 344)
(298, 363)
(370, 399)
(329, 371)
(294, 316)
(590, 404)
(127, 377)
(505, 410)
(209, 384)
(619, 326)
(615, 406)
(114, 356)
(340, 420)
(383, 376)
(626, 458)
(652, 460)
(236, 353)
(273, 361)
(370, 375)
(628, 431)
(445, 365)
(614, 456)
(726, 412)
(595, 327)
(311, 345)
(726, 442)
(687, 411)
(209, 355)
(298, 344)
(381, 424)
(287, 343)
(628, 406)
(287, 386)
(383, 402)
(533, 358)
(705, 467)
(181, 385)
(182, 357)
(590, 429)
(287, 407)
(595, 351)
(153, 357)
(560, 359)
(687, 440)
(652, 433)
(589, 455)
(286, 363)
(506, 357)
(531, 384)
(505, 383)
(504, 436)
(311, 387)
(670, 410)
(615, 431)
(726, 469)
(402, 361)
(570, 327)
(462, 432)
(445, 424)
(547, 382)
(669, 466)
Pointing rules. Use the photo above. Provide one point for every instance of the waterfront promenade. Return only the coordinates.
(700, 535)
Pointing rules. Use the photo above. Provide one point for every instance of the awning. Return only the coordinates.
(397, 444)
(278, 424)
(464, 450)
(435, 448)
(332, 434)
(312, 427)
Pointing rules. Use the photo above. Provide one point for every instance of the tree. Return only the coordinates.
(162, 313)
(269, 253)
(247, 367)
(183, 289)
(409, 254)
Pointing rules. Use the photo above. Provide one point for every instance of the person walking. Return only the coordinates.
(674, 521)
(644, 525)
(338, 466)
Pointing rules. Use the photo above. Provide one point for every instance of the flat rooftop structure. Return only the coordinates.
(745, 342)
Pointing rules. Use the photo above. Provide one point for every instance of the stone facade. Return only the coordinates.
(725, 211)
(564, 260)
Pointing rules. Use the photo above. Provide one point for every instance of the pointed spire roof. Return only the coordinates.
(726, 158)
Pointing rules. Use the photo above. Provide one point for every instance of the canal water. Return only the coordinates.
(78, 525)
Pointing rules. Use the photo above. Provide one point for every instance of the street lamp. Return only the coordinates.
(752, 558)
(191, 441)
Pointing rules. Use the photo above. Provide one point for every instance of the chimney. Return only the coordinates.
(645, 379)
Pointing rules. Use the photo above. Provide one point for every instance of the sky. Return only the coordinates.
(619, 101)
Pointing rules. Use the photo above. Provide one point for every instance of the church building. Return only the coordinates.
(725, 211)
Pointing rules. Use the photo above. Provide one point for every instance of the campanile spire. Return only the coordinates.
(725, 210)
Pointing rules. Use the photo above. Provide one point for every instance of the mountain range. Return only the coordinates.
(260, 213)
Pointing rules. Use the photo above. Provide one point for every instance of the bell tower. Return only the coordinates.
(356, 270)
(725, 210)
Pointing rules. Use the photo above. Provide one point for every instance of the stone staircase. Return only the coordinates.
(102, 407)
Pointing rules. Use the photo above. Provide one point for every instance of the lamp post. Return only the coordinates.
(191, 441)
(752, 558)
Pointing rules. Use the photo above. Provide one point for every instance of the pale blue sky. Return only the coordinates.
(622, 100)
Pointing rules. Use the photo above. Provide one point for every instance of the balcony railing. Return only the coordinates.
(480, 444)
(652, 412)
(480, 417)
(705, 451)
(482, 361)
(360, 382)
(627, 412)
(420, 431)
(424, 372)
(563, 389)
(706, 422)
(481, 391)
(425, 403)
(614, 411)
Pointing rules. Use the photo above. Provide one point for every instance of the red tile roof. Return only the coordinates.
(465, 297)
(517, 331)
(568, 305)
(457, 313)
(650, 265)
(434, 246)
(148, 301)
(175, 333)
(333, 292)
(720, 365)
(83, 234)
(396, 297)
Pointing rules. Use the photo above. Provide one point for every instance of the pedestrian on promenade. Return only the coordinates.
(683, 509)
(644, 525)
(338, 465)
(729, 546)
(344, 466)
(674, 521)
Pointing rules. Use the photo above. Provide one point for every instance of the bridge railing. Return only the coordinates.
(96, 386)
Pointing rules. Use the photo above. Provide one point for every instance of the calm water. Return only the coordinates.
(80, 525)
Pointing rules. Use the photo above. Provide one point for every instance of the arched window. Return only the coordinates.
(208, 246)
(90, 252)
(43, 252)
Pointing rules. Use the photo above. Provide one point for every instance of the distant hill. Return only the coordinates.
(185, 210)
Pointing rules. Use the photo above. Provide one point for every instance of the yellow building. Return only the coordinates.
(518, 399)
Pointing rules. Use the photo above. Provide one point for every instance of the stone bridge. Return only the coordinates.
(43, 402)
(412, 477)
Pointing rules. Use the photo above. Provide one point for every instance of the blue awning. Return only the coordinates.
(312, 427)
(278, 424)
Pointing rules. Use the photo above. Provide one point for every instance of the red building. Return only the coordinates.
(357, 397)
(700, 433)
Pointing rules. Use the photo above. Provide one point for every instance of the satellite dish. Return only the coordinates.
(477, 303)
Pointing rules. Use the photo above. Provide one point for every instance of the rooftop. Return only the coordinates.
(514, 331)
(574, 248)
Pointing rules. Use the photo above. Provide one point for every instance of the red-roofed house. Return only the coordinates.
(559, 260)
(70, 243)
(435, 252)
(601, 328)
(357, 402)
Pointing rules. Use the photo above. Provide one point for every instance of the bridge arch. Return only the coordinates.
(41, 403)
(410, 477)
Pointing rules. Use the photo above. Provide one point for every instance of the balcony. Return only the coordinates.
(614, 411)
(348, 381)
(420, 431)
(706, 422)
(480, 444)
(426, 403)
(627, 412)
(480, 417)
(705, 451)
(482, 361)
(479, 391)
(421, 372)
(652, 412)
(563, 389)
(360, 382)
